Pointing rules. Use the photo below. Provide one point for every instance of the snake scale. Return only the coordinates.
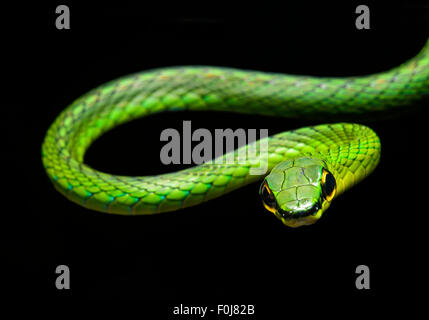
(307, 167)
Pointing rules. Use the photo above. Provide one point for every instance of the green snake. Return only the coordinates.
(307, 167)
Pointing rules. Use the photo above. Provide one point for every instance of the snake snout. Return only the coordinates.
(300, 213)
(301, 217)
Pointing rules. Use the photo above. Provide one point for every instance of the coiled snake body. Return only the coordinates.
(307, 167)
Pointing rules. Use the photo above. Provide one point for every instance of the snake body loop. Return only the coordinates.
(350, 151)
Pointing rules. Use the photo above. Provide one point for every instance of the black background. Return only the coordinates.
(229, 250)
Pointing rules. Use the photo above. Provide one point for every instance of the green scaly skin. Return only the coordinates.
(349, 151)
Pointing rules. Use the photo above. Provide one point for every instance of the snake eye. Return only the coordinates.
(268, 198)
(329, 186)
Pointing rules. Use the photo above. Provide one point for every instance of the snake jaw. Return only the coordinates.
(304, 221)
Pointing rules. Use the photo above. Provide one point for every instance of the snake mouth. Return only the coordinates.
(296, 214)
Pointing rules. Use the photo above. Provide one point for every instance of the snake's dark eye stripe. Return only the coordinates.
(329, 186)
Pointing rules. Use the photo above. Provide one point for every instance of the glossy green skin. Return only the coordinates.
(350, 151)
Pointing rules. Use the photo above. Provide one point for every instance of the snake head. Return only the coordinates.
(298, 191)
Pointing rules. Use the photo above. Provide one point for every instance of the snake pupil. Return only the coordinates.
(267, 196)
(329, 186)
